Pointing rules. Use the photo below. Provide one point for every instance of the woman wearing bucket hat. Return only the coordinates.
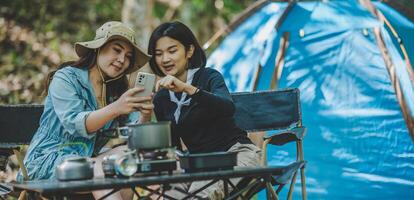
(86, 96)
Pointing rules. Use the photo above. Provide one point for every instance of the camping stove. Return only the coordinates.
(142, 163)
(156, 161)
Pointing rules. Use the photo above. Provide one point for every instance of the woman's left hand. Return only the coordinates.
(171, 83)
(174, 84)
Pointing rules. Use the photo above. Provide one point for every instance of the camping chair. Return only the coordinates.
(273, 110)
(18, 123)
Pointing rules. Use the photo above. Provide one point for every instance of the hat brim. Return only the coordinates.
(141, 58)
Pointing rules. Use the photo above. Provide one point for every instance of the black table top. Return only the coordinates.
(66, 187)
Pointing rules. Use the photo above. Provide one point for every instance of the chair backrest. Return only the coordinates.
(274, 110)
(267, 110)
(18, 124)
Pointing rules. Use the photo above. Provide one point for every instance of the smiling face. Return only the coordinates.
(115, 57)
(172, 58)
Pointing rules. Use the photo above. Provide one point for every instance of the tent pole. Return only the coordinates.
(284, 15)
(280, 57)
(229, 28)
(368, 4)
(256, 76)
(391, 71)
(280, 60)
(390, 67)
(400, 42)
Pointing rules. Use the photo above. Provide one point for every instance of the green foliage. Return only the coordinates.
(62, 17)
(37, 35)
(204, 17)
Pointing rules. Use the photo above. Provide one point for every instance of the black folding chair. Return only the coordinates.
(273, 110)
(18, 123)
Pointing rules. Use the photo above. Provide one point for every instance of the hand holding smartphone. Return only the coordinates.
(146, 81)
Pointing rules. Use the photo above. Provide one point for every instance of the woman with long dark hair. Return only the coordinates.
(197, 102)
(86, 96)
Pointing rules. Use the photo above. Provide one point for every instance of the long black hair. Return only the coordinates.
(180, 32)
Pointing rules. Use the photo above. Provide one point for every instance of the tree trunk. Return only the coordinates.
(137, 14)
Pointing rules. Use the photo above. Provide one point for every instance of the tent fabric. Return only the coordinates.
(358, 145)
(245, 47)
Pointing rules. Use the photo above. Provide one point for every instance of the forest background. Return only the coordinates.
(37, 35)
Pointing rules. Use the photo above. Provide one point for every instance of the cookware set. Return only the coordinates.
(149, 147)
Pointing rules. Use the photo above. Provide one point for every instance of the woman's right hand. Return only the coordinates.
(128, 102)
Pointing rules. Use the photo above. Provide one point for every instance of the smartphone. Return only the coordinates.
(146, 81)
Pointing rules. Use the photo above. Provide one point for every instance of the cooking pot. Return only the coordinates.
(75, 168)
(149, 136)
(145, 136)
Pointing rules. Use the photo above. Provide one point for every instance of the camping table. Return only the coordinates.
(55, 189)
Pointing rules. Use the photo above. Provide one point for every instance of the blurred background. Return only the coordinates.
(37, 35)
(352, 152)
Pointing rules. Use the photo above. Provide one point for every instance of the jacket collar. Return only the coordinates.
(82, 76)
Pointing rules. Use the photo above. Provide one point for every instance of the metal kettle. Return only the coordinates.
(74, 168)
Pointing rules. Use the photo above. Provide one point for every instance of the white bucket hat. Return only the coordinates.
(112, 30)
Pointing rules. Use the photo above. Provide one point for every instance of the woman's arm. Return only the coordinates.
(70, 107)
(218, 98)
(126, 104)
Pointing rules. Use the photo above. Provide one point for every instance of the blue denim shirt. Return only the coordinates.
(62, 131)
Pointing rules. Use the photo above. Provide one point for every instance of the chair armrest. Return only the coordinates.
(276, 180)
(281, 138)
(288, 172)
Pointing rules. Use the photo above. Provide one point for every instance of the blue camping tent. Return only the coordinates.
(356, 88)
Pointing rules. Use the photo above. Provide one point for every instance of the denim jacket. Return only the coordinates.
(62, 131)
